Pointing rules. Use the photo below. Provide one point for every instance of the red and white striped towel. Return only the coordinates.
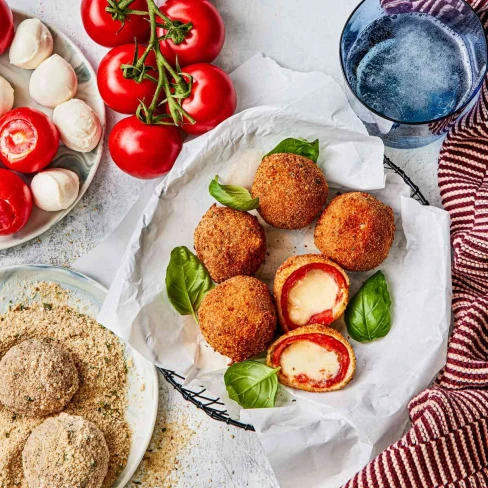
(447, 445)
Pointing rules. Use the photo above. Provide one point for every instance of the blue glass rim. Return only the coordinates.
(459, 109)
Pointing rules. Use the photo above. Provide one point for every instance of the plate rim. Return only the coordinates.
(100, 147)
(121, 482)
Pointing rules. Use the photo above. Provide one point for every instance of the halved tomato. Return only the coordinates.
(28, 140)
(15, 203)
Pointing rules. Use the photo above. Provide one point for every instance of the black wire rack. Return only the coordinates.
(214, 407)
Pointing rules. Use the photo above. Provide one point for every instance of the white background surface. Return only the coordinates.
(303, 36)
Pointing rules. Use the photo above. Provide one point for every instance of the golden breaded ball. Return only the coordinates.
(356, 231)
(292, 190)
(230, 243)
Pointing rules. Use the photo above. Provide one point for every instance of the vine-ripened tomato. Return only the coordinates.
(212, 99)
(119, 93)
(203, 42)
(107, 32)
(15, 203)
(6, 26)
(144, 151)
(28, 140)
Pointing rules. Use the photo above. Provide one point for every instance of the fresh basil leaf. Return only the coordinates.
(236, 197)
(368, 314)
(252, 384)
(187, 281)
(299, 146)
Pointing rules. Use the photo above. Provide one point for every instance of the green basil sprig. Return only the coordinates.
(368, 314)
(187, 281)
(298, 146)
(236, 197)
(252, 384)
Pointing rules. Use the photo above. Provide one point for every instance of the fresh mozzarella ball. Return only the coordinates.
(6, 96)
(32, 44)
(78, 124)
(53, 82)
(55, 189)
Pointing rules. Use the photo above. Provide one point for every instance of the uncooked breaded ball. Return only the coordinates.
(356, 231)
(65, 451)
(229, 243)
(37, 378)
(292, 190)
(238, 318)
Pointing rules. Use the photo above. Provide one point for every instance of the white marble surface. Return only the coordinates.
(299, 35)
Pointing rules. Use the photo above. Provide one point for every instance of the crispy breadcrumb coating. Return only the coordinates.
(229, 243)
(356, 231)
(238, 317)
(292, 190)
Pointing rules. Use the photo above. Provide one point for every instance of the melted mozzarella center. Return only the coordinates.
(309, 359)
(313, 294)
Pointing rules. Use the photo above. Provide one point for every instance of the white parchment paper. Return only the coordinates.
(311, 439)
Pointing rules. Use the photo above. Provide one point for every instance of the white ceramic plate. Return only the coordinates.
(88, 297)
(84, 165)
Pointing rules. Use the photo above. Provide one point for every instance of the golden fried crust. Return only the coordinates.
(296, 262)
(311, 329)
(230, 243)
(292, 190)
(238, 317)
(356, 231)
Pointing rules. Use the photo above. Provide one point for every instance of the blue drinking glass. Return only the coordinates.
(412, 68)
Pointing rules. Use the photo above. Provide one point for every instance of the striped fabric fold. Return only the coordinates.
(447, 445)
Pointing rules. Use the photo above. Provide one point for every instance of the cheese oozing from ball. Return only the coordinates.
(314, 293)
(6, 96)
(55, 189)
(78, 124)
(305, 358)
(53, 82)
(32, 44)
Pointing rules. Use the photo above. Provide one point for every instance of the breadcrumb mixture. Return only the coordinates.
(99, 358)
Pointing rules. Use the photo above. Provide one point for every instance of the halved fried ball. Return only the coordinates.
(292, 190)
(238, 317)
(37, 378)
(310, 289)
(313, 358)
(356, 231)
(230, 243)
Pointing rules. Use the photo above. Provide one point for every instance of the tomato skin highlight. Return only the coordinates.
(6, 26)
(107, 32)
(325, 341)
(204, 41)
(212, 99)
(15, 203)
(28, 140)
(323, 318)
(144, 151)
(119, 93)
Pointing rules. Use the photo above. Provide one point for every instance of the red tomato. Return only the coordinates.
(204, 41)
(144, 151)
(28, 140)
(15, 203)
(212, 99)
(100, 26)
(6, 26)
(119, 93)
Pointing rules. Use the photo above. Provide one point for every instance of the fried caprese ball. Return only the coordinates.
(310, 289)
(356, 230)
(292, 190)
(313, 358)
(230, 243)
(238, 317)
